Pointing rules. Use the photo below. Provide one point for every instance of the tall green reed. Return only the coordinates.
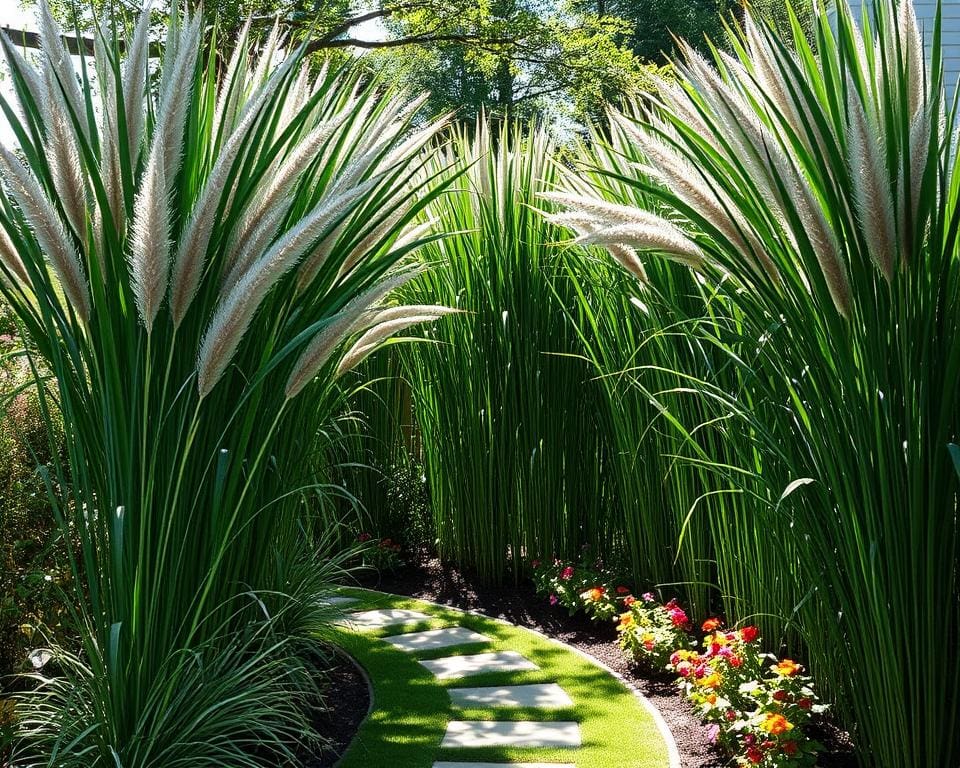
(196, 257)
(816, 194)
(506, 415)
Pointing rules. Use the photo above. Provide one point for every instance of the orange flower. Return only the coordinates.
(776, 724)
(787, 668)
(711, 624)
(626, 620)
(594, 594)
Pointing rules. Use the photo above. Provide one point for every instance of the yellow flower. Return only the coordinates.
(712, 680)
(776, 724)
(626, 620)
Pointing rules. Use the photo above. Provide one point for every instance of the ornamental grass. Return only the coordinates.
(815, 196)
(195, 256)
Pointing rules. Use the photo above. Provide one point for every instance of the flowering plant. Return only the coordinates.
(650, 631)
(757, 706)
(579, 588)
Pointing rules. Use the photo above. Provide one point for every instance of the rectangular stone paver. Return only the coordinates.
(388, 617)
(436, 638)
(505, 733)
(445, 764)
(339, 601)
(463, 666)
(547, 696)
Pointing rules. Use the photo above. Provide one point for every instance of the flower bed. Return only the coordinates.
(756, 706)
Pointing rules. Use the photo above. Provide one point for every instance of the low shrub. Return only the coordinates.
(651, 632)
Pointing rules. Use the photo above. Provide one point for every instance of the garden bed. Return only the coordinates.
(430, 580)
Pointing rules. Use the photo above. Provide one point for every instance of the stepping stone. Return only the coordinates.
(436, 638)
(547, 696)
(463, 666)
(388, 617)
(505, 733)
(446, 764)
(339, 601)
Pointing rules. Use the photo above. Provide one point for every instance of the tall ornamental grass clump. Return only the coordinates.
(195, 256)
(650, 330)
(506, 416)
(817, 193)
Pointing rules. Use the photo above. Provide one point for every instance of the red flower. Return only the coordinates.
(805, 703)
(790, 748)
(711, 624)
(754, 755)
(364, 537)
(731, 715)
(779, 695)
(534, 564)
(629, 600)
(623, 591)
(736, 661)
(567, 573)
(749, 634)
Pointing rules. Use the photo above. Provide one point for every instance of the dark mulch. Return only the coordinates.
(347, 703)
(430, 580)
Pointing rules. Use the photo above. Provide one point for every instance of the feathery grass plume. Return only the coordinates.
(190, 260)
(623, 226)
(61, 70)
(263, 217)
(344, 324)
(341, 209)
(17, 63)
(231, 86)
(175, 99)
(150, 241)
(110, 168)
(237, 309)
(64, 158)
(10, 259)
(403, 318)
(918, 148)
(49, 230)
(873, 195)
(134, 79)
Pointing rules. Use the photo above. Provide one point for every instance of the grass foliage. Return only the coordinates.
(195, 256)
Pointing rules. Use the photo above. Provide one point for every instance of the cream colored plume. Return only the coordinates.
(61, 66)
(401, 319)
(11, 259)
(149, 255)
(49, 230)
(353, 318)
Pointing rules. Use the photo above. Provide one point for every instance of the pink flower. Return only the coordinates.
(364, 537)
(554, 600)
(567, 573)
(712, 733)
(648, 597)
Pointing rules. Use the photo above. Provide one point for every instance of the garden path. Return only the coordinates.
(455, 689)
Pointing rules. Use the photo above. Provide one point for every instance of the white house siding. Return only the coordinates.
(926, 15)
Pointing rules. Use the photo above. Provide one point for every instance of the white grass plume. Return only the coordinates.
(11, 259)
(149, 255)
(175, 100)
(195, 241)
(871, 185)
(403, 318)
(345, 323)
(49, 230)
(236, 310)
(134, 82)
(17, 63)
(61, 65)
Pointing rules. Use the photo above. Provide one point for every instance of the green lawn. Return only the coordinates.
(412, 708)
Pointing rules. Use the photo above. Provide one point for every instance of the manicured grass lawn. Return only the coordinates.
(412, 708)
